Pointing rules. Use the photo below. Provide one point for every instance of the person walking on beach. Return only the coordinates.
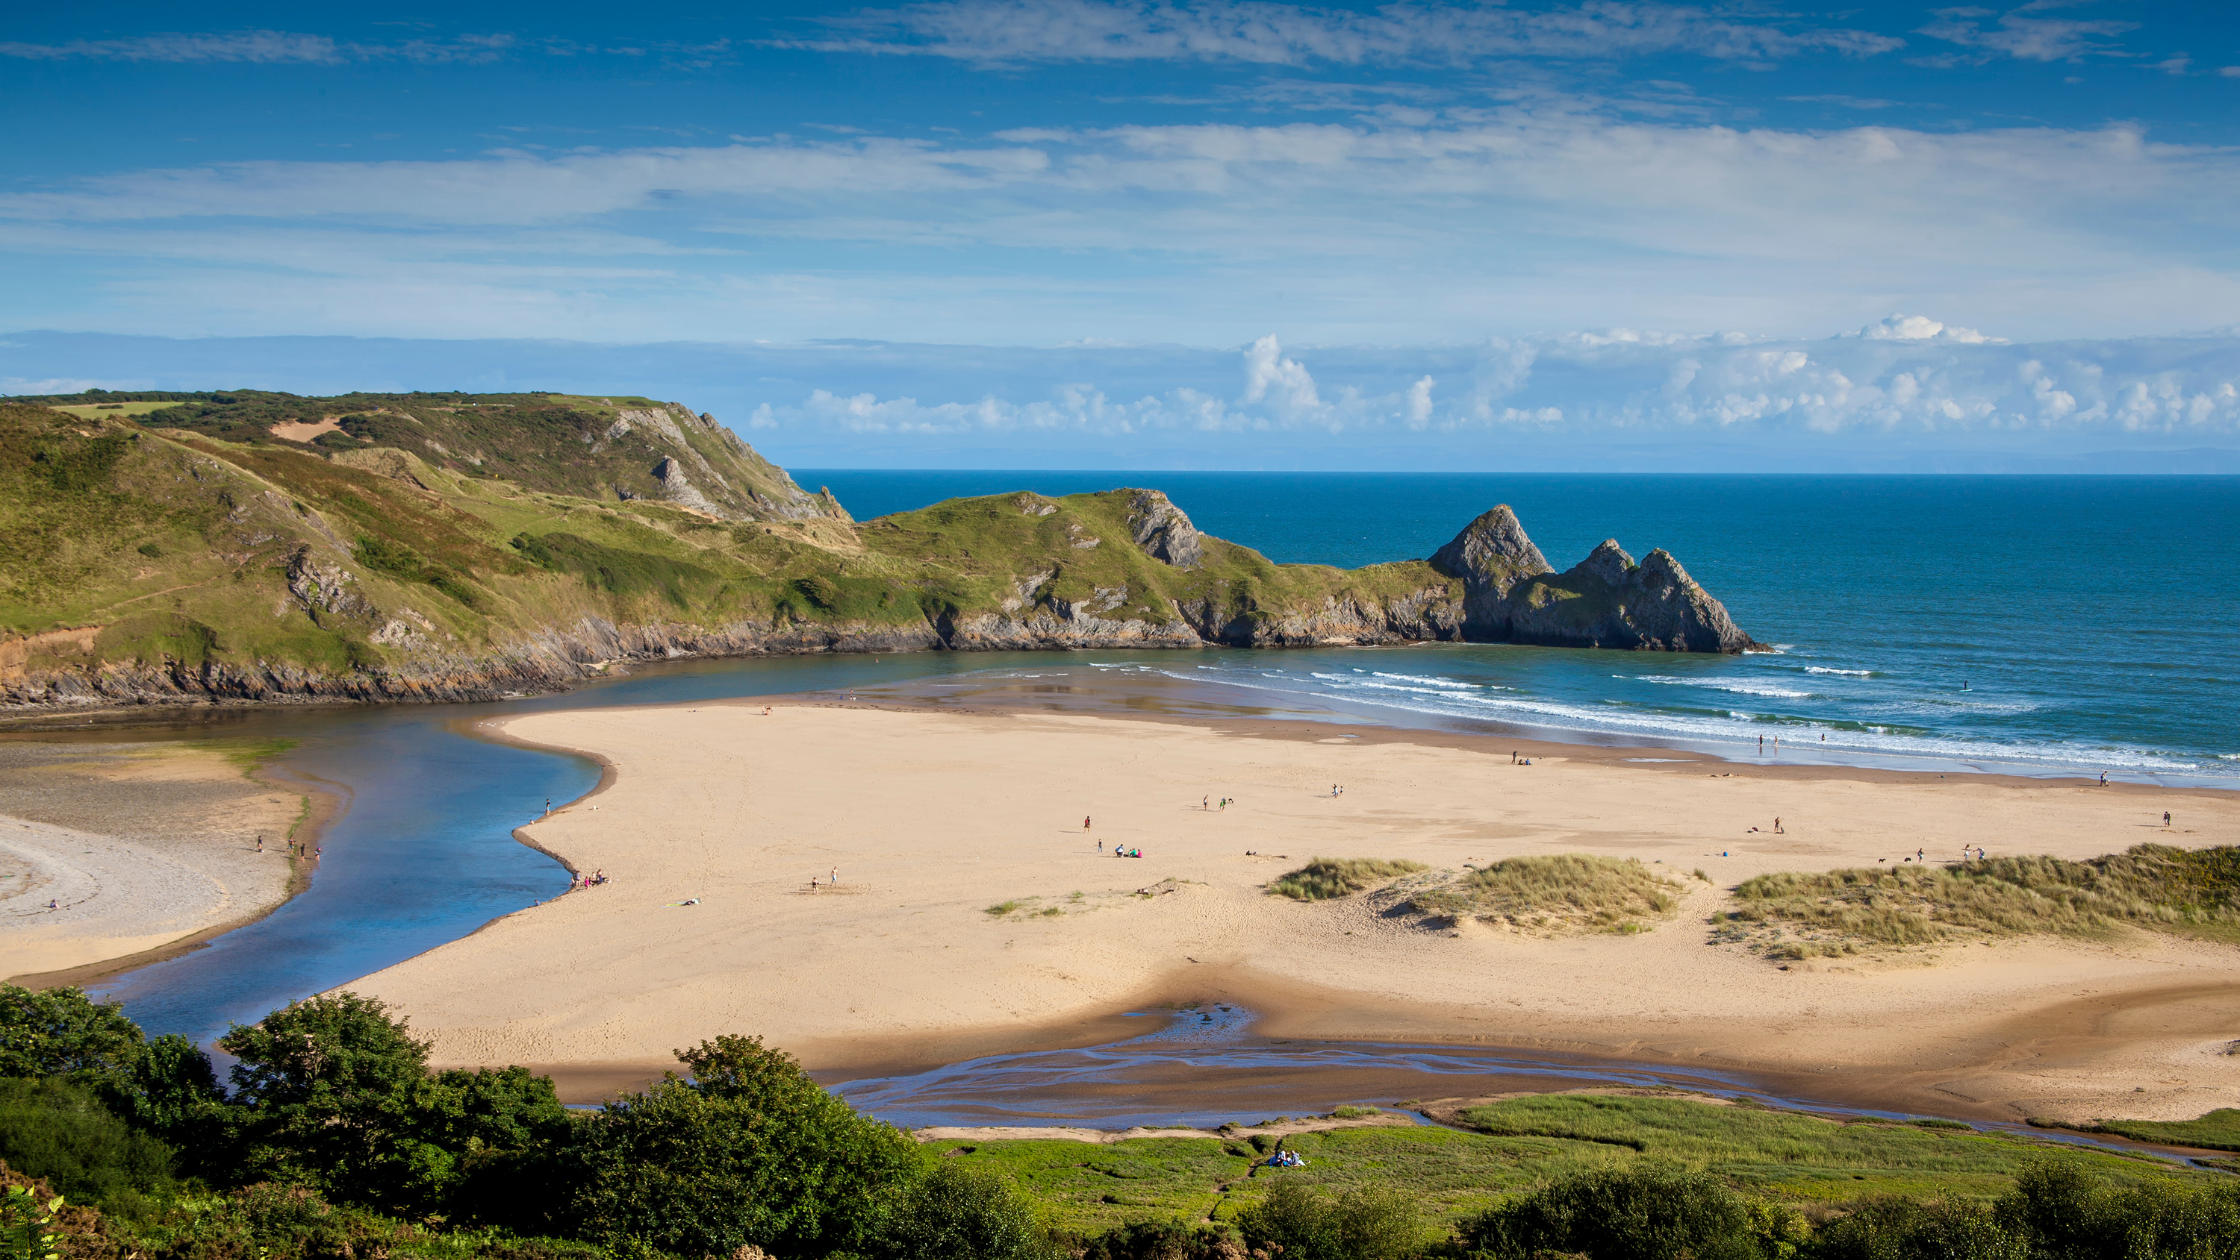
(1777, 826)
(2103, 778)
(1205, 803)
(836, 875)
(260, 842)
(1084, 822)
(2166, 818)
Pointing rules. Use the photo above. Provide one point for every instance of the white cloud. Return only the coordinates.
(1284, 385)
(1581, 385)
(1014, 31)
(1919, 328)
(2024, 37)
(258, 46)
(1502, 220)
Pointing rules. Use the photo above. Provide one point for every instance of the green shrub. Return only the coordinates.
(1648, 1212)
(748, 1151)
(1908, 1229)
(1161, 1240)
(1364, 1223)
(1324, 878)
(957, 1212)
(54, 1032)
(335, 1094)
(57, 1130)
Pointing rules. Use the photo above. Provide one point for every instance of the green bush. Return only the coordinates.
(1907, 1229)
(749, 1151)
(334, 1094)
(57, 1130)
(961, 1213)
(1649, 1212)
(1162, 1240)
(1359, 1224)
(55, 1032)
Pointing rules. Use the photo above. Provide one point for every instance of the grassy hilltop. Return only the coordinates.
(261, 546)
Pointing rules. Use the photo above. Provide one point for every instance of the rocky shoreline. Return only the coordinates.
(1502, 591)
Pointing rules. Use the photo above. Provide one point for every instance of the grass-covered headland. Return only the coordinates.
(254, 546)
(336, 1140)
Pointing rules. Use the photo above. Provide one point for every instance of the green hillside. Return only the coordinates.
(597, 448)
(171, 555)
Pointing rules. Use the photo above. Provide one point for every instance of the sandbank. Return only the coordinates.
(115, 854)
(716, 818)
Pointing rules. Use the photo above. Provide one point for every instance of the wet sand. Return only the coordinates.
(142, 849)
(716, 819)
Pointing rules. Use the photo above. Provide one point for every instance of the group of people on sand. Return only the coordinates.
(1517, 759)
(1117, 851)
(1209, 804)
(587, 881)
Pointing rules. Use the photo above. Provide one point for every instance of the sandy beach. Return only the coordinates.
(717, 818)
(112, 851)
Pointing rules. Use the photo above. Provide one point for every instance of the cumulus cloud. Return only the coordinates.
(1015, 31)
(1920, 328)
(1920, 382)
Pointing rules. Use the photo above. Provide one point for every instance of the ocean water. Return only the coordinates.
(2030, 624)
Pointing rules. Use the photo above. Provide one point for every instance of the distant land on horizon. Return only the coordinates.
(1904, 396)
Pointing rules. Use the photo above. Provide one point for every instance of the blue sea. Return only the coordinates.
(2025, 624)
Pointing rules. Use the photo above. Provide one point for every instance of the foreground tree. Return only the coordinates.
(748, 1151)
(62, 1032)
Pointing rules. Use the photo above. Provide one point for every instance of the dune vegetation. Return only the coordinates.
(1556, 894)
(1324, 878)
(1790, 915)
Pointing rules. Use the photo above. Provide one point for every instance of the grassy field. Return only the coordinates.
(115, 409)
(1517, 1145)
(2217, 1131)
(1792, 915)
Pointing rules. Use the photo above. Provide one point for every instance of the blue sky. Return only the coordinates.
(1211, 234)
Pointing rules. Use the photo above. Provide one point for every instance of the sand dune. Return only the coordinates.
(931, 819)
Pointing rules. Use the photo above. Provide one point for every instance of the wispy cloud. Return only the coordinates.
(1018, 31)
(1469, 220)
(2018, 33)
(267, 47)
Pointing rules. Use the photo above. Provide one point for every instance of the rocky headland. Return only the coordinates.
(261, 549)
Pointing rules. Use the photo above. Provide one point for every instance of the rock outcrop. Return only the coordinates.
(1511, 595)
(1163, 531)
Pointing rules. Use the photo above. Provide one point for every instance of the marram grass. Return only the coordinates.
(1557, 893)
(1798, 915)
(1324, 878)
